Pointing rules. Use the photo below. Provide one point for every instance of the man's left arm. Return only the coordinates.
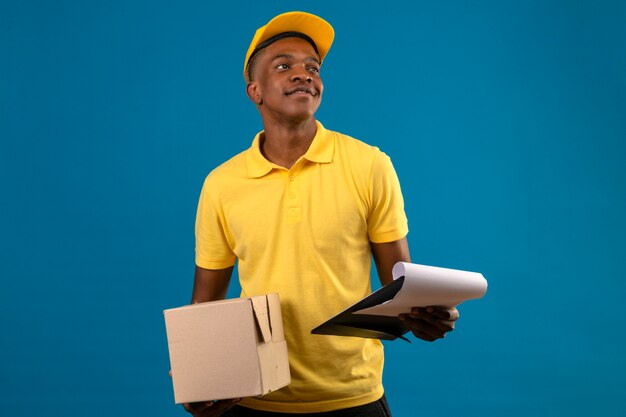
(427, 323)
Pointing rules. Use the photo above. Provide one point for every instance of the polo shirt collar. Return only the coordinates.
(320, 151)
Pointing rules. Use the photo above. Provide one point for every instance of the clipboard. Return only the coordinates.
(372, 326)
(376, 316)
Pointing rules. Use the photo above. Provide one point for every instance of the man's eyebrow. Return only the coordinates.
(317, 61)
(288, 56)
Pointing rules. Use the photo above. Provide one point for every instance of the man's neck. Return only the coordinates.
(283, 144)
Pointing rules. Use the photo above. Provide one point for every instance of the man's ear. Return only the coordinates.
(254, 93)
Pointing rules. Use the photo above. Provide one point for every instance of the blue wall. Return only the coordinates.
(506, 122)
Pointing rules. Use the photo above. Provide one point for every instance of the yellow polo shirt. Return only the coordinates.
(305, 233)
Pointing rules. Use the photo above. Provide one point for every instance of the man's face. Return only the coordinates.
(286, 80)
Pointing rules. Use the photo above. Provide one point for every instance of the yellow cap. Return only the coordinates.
(313, 26)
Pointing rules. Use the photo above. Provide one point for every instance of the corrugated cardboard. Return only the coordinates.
(227, 349)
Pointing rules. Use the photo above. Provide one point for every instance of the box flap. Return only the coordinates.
(261, 314)
(276, 318)
(283, 374)
(274, 364)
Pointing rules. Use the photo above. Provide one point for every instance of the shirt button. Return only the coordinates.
(292, 196)
(292, 178)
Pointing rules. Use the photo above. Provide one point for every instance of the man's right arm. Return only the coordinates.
(210, 284)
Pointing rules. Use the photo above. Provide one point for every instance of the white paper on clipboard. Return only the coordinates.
(429, 286)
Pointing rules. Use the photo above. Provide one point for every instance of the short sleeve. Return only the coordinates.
(386, 220)
(212, 248)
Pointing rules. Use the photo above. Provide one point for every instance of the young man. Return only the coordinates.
(302, 211)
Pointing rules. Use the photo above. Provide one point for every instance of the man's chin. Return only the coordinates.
(300, 114)
(292, 112)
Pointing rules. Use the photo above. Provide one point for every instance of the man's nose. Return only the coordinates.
(299, 73)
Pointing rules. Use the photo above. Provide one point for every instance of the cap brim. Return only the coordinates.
(311, 25)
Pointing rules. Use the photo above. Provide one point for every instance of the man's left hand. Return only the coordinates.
(430, 323)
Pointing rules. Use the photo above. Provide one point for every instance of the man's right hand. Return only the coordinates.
(210, 408)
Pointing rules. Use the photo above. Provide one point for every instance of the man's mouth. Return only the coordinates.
(301, 90)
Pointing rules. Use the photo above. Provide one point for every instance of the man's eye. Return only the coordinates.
(314, 69)
(282, 66)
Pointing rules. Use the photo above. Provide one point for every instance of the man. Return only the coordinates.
(302, 211)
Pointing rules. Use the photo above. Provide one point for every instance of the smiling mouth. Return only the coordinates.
(301, 90)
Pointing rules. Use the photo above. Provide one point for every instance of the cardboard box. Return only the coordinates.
(227, 349)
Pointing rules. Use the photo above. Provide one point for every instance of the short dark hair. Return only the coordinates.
(260, 47)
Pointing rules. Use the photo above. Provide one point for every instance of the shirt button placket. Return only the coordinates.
(293, 196)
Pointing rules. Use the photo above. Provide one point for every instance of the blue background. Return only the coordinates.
(506, 122)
